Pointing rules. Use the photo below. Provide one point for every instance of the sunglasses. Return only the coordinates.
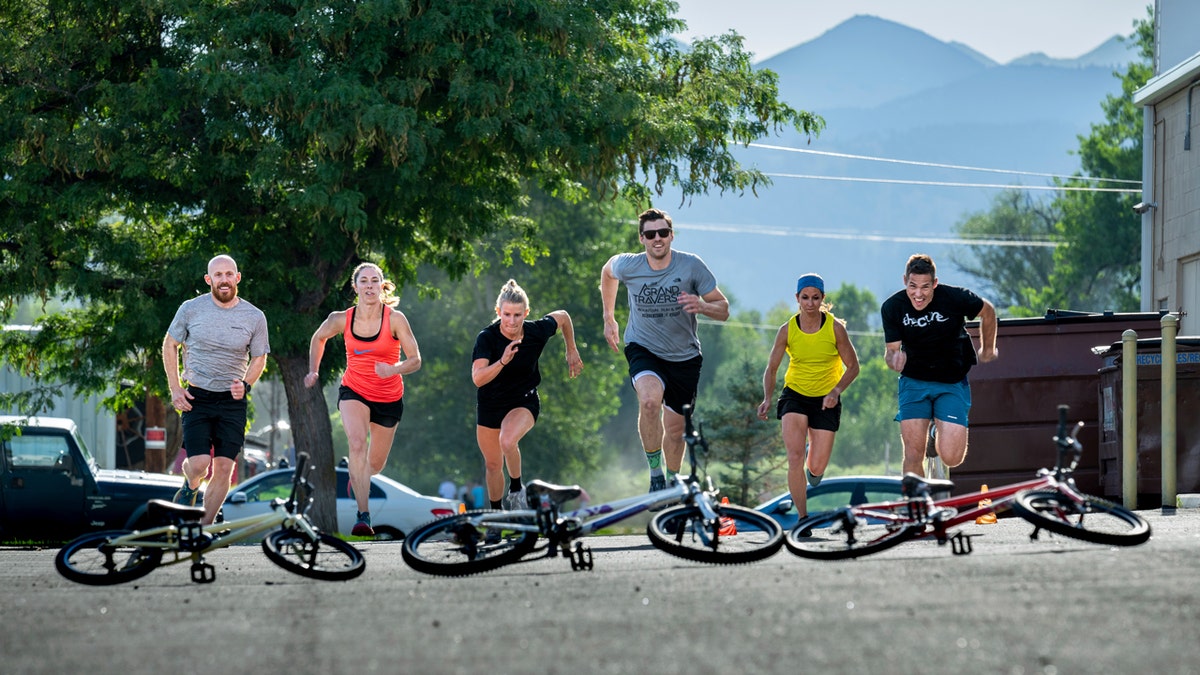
(660, 233)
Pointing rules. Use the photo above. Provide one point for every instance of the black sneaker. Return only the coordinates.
(658, 483)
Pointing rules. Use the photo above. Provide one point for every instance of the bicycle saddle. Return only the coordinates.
(162, 511)
(557, 493)
(912, 485)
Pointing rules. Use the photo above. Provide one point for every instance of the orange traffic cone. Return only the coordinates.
(728, 527)
(987, 518)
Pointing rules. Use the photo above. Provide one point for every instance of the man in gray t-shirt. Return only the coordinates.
(225, 347)
(667, 289)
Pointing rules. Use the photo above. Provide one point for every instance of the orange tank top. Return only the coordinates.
(363, 353)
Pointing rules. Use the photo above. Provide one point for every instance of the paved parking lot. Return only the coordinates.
(1050, 606)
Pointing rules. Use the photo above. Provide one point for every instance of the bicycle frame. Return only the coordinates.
(935, 517)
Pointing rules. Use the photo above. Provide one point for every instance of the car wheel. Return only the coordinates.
(385, 533)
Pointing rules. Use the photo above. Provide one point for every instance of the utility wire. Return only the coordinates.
(866, 236)
(937, 165)
(952, 184)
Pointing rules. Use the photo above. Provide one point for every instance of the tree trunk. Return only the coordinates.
(312, 434)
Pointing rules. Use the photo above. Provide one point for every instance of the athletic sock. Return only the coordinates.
(654, 459)
(496, 505)
(514, 483)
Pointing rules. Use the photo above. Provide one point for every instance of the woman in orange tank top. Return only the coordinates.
(380, 351)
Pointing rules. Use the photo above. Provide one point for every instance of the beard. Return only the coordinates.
(224, 293)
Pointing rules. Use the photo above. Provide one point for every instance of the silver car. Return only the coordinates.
(395, 508)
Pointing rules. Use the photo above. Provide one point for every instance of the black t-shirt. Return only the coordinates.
(521, 375)
(936, 342)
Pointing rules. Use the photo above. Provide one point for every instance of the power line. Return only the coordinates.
(937, 165)
(868, 236)
(899, 181)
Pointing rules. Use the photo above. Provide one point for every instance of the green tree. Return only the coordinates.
(140, 137)
(1015, 274)
(1097, 267)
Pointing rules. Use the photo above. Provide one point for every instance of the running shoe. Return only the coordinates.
(658, 483)
(186, 495)
(515, 501)
(813, 481)
(362, 527)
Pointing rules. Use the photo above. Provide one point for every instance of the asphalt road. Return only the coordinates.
(1051, 606)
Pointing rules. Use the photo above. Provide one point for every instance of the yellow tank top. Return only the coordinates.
(814, 366)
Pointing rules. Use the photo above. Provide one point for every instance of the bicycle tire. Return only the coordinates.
(327, 559)
(741, 535)
(86, 560)
(453, 546)
(826, 536)
(1100, 521)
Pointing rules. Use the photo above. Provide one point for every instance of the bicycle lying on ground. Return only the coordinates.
(292, 542)
(698, 527)
(1050, 502)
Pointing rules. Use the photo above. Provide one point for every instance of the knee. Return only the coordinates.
(493, 464)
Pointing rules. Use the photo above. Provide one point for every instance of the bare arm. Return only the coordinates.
(608, 302)
(778, 349)
(574, 361)
(410, 352)
(712, 304)
(895, 356)
(849, 357)
(331, 326)
(180, 398)
(987, 333)
(483, 371)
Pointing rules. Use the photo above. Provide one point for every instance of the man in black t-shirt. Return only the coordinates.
(927, 343)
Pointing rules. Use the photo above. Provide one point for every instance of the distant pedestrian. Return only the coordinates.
(822, 362)
(448, 489)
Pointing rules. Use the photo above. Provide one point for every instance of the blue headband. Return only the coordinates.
(813, 280)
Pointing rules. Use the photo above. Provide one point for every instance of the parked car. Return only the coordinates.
(51, 488)
(395, 508)
(834, 492)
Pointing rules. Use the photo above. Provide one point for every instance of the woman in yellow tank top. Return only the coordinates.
(821, 364)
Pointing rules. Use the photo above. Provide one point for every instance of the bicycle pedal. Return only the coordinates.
(960, 544)
(581, 557)
(203, 573)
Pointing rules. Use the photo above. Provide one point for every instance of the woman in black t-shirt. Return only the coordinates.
(505, 369)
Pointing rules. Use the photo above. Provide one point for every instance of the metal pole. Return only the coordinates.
(1170, 326)
(1129, 418)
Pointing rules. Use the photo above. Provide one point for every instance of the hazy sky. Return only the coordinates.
(1000, 29)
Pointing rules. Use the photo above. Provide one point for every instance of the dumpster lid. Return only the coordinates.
(1188, 343)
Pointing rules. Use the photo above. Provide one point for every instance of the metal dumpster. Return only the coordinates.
(1149, 418)
(1043, 362)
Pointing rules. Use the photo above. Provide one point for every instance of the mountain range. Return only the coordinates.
(890, 92)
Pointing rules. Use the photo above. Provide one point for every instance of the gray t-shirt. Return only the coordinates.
(218, 341)
(656, 319)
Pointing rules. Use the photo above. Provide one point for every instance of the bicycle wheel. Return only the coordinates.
(456, 546)
(1096, 520)
(90, 560)
(740, 535)
(328, 558)
(837, 535)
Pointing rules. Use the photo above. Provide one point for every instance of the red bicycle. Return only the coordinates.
(1050, 502)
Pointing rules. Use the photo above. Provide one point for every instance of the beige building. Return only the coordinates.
(1170, 207)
